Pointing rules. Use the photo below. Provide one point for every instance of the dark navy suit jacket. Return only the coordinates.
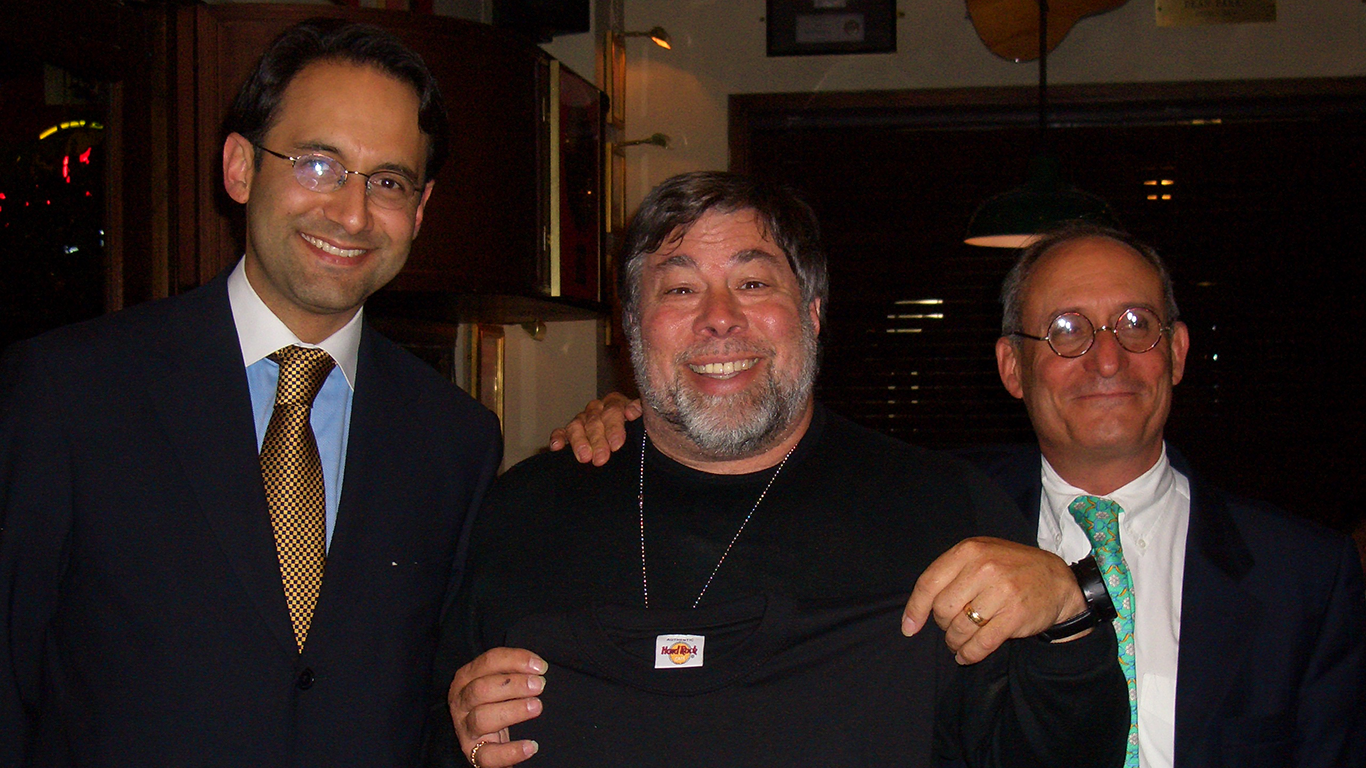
(1272, 665)
(144, 619)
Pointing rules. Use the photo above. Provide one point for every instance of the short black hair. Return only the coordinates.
(1012, 290)
(257, 106)
(676, 204)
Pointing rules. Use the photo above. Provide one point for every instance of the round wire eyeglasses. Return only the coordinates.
(1072, 334)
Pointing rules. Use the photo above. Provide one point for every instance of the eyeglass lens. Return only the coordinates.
(386, 189)
(1136, 329)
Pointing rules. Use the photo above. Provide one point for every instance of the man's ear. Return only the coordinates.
(239, 166)
(1008, 366)
(815, 310)
(421, 206)
(1181, 344)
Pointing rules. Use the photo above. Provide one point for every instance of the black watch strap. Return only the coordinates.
(1099, 606)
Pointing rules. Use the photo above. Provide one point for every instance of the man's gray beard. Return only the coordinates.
(739, 425)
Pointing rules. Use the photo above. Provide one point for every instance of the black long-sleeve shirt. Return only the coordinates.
(832, 551)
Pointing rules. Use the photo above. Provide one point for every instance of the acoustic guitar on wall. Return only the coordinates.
(1010, 28)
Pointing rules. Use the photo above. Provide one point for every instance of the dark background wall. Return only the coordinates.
(1262, 230)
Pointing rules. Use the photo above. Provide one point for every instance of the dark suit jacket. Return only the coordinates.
(144, 619)
(1272, 665)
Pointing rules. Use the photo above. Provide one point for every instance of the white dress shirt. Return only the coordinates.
(1152, 533)
(260, 333)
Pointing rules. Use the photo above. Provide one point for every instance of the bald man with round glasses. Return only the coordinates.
(1248, 624)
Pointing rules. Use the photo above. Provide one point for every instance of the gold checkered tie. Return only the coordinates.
(293, 478)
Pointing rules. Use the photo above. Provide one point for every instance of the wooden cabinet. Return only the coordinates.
(576, 200)
(513, 227)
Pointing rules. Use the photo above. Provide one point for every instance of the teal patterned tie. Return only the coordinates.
(1100, 519)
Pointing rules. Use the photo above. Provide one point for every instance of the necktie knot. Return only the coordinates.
(302, 373)
(1099, 517)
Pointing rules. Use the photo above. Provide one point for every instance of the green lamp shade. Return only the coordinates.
(1014, 219)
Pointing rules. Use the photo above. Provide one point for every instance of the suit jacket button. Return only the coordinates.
(305, 680)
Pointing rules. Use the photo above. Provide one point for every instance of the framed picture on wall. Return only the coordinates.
(576, 186)
(487, 355)
(816, 27)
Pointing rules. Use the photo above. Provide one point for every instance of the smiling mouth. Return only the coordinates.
(724, 370)
(345, 253)
(1106, 396)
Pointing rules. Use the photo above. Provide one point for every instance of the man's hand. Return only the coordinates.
(488, 695)
(1015, 591)
(599, 431)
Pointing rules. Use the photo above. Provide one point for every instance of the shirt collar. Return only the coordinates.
(260, 332)
(1139, 498)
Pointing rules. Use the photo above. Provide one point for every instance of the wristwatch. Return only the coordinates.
(1099, 606)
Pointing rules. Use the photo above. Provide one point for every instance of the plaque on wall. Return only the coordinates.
(813, 27)
(1186, 13)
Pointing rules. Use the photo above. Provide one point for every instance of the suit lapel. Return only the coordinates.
(204, 406)
(1018, 472)
(1217, 616)
(1030, 496)
(378, 460)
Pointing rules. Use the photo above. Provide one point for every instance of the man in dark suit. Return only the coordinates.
(152, 607)
(1249, 629)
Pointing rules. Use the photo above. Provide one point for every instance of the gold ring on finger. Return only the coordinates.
(973, 616)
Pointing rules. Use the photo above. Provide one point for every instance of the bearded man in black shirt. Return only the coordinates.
(729, 595)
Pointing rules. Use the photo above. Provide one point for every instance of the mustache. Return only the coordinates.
(725, 348)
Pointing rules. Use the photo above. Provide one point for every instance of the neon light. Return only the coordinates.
(85, 156)
(69, 124)
(66, 168)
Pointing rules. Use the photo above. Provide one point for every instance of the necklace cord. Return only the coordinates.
(640, 505)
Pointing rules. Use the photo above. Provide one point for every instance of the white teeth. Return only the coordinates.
(345, 253)
(724, 369)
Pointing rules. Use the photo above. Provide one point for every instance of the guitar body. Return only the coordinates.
(1010, 28)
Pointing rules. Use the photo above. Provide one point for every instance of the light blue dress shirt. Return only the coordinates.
(260, 333)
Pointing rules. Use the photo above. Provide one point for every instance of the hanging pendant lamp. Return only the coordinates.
(1013, 219)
